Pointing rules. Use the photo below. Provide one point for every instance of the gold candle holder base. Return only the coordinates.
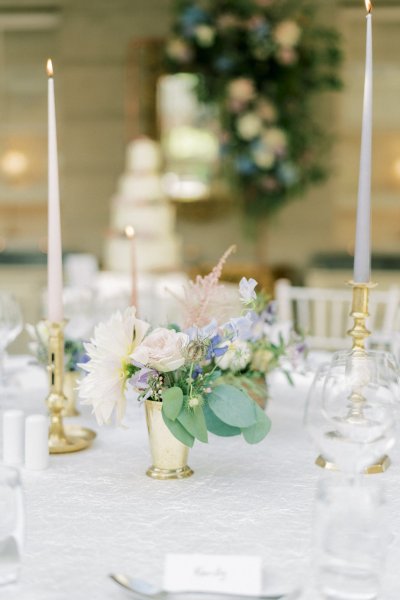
(71, 379)
(61, 439)
(359, 333)
(379, 467)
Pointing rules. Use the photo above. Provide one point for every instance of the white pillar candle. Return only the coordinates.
(36, 442)
(362, 251)
(13, 437)
(54, 256)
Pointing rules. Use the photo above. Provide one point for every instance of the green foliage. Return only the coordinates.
(172, 402)
(218, 427)
(194, 422)
(224, 42)
(257, 432)
(177, 430)
(232, 406)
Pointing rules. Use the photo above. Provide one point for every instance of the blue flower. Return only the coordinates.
(245, 166)
(239, 327)
(196, 371)
(247, 290)
(289, 173)
(269, 314)
(214, 348)
(193, 16)
(224, 64)
(140, 380)
(202, 333)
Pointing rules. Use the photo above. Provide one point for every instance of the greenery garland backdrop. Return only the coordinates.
(261, 62)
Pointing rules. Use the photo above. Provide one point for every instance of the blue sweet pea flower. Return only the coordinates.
(215, 348)
(268, 315)
(197, 370)
(247, 290)
(202, 333)
(239, 327)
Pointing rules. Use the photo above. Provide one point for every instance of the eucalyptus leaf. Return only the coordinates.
(193, 420)
(232, 406)
(172, 402)
(179, 431)
(218, 427)
(257, 432)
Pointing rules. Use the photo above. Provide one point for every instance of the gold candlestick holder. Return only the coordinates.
(62, 439)
(359, 333)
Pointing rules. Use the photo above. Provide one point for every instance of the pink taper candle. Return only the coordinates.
(362, 251)
(54, 248)
(130, 234)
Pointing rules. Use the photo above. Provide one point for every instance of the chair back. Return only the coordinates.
(323, 314)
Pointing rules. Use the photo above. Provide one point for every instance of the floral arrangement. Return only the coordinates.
(74, 351)
(198, 372)
(260, 61)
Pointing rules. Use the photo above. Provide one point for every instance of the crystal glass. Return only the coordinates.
(10, 325)
(79, 310)
(351, 408)
(350, 539)
(11, 524)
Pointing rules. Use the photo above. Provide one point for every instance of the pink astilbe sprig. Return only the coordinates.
(205, 298)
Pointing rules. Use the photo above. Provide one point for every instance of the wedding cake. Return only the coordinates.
(141, 206)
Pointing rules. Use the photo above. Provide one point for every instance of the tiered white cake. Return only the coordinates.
(141, 204)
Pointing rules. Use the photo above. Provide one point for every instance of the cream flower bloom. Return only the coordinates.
(179, 50)
(249, 126)
(162, 350)
(267, 111)
(275, 139)
(264, 157)
(105, 383)
(241, 89)
(205, 35)
(287, 34)
(261, 360)
(236, 358)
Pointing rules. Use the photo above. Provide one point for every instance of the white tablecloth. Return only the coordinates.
(95, 512)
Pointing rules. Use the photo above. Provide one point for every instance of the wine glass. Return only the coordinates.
(351, 408)
(10, 325)
(11, 524)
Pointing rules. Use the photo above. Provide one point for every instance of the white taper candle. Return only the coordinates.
(362, 251)
(54, 256)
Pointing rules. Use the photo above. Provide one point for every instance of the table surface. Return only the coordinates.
(95, 512)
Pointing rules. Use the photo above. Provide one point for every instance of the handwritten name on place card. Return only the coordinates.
(213, 573)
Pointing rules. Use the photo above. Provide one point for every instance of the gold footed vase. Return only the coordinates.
(71, 379)
(169, 455)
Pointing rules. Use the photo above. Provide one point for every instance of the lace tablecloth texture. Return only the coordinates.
(95, 512)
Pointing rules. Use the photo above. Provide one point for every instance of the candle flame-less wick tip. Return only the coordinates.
(368, 6)
(49, 68)
(129, 231)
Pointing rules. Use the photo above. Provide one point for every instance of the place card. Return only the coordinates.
(240, 575)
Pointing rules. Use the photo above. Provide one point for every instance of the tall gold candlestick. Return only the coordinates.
(359, 333)
(61, 439)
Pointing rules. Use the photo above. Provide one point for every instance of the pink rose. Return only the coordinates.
(162, 350)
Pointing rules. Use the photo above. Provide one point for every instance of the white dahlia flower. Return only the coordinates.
(109, 350)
